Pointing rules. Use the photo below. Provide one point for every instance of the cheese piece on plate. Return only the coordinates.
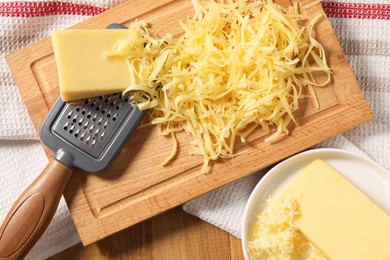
(336, 217)
(83, 71)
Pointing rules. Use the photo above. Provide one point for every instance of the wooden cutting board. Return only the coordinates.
(136, 187)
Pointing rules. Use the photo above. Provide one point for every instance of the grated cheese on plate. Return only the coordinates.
(274, 236)
(239, 66)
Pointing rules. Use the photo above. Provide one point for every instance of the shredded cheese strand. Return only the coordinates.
(239, 66)
(173, 151)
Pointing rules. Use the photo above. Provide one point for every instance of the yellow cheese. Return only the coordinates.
(240, 65)
(336, 217)
(83, 70)
(274, 236)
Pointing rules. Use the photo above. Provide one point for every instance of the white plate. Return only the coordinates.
(366, 175)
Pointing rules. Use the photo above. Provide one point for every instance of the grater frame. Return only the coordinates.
(71, 153)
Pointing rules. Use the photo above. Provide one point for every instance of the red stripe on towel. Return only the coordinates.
(357, 10)
(35, 9)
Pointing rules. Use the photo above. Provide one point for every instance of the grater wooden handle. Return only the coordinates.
(32, 212)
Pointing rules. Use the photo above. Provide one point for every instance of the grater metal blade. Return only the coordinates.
(89, 134)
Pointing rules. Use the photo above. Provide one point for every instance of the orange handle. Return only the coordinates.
(32, 212)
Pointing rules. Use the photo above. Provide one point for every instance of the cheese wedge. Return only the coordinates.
(83, 71)
(336, 217)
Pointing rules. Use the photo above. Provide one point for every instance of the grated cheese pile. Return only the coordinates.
(274, 236)
(239, 66)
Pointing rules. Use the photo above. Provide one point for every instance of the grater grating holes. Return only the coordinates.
(96, 123)
(91, 123)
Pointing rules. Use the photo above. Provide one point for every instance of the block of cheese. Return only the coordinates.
(83, 71)
(336, 217)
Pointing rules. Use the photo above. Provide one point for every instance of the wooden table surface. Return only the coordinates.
(171, 235)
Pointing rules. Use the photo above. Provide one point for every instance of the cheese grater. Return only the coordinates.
(86, 135)
(90, 134)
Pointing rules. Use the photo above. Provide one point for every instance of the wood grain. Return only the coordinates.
(136, 187)
(172, 235)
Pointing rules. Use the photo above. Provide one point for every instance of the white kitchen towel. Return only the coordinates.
(362, 27)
